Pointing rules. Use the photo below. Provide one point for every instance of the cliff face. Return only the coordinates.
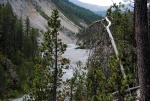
(36, 10)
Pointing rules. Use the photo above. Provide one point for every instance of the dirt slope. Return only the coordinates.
(26, 8)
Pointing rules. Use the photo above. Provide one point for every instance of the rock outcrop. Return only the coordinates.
(96, 38)
(10, 71)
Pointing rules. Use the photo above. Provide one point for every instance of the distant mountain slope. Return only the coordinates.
(76, 13)
(38, 11)
(100, 10)
(102, 13)
(90, 6)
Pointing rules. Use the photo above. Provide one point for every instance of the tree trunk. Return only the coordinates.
(134, 58)
(71, 90)
(149, 20)
(55, 72)
(141, 30)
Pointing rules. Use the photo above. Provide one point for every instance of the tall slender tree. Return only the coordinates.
(48, 71)
(20, 34)
(55, 24)
(27, 26)
(141, 30)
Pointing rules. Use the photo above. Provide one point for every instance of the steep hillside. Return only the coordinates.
(76, 13)
(37, 11)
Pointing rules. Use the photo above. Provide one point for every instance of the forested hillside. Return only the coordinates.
(117, 67)
(18, 47)
(104, 75)
(18, 43)
(76, 13)
(117, 77)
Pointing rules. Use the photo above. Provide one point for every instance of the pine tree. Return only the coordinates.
(55, 24)
(104, 77)
(20, 34)
(7, 16)
(34, 46)
(27, 26)
(141, 30)
(13, 42)
(47, 72)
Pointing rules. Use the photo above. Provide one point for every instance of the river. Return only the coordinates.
(74, 55)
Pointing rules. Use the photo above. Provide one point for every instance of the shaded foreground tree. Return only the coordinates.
(141, 29)
(46, 80)
(55, 24)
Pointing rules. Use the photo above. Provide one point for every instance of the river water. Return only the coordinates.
(74, 55)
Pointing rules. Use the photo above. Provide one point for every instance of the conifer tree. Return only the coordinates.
(55, 24)
(6, 28)
(47, 72)
(143, 47)
(34, 44)
(13, 42)
(104, 77)
(27, 26)
(20, 34)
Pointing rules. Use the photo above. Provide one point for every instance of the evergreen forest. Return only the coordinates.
(18, 48)
(76, 13)
(117, 67)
